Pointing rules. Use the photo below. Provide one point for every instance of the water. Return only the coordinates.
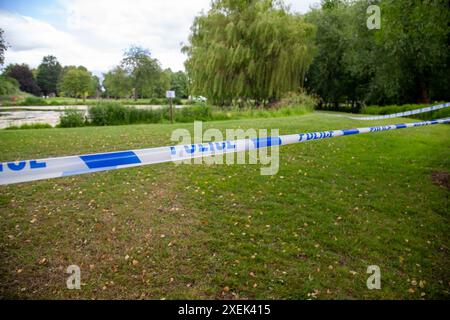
(17, 116)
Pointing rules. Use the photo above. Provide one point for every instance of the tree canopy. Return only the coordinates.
(48, 74)
(144, 71)
(405, 61)
(179, 83)
(77, 82)
(248, 50)
(117, 83)
(24, 76)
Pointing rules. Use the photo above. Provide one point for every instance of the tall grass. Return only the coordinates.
(72, 118)
(113, 113)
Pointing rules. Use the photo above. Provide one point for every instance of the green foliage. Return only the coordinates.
(72, 118)
(24, 76)
(413, 42)
(30, 126)
(145, 72)
(48, 74)
(117, 83)
(327, 75)
(8, 86)
(179, 83)
(194, 113)
(406, 61)
(295, 99)
(113, 113)
(243, 50)
(76, 82)
(34, 101)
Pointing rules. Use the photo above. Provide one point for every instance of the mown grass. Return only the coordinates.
(224, 231)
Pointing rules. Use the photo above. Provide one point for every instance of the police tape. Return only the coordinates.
(30, 170)
(405, 113)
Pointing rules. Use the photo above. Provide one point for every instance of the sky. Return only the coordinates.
(95, 33)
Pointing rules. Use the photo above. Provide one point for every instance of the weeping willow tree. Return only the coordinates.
(248, 50)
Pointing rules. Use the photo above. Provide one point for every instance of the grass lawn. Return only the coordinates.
(217, 231)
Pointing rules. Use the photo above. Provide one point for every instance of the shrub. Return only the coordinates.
(113, 113)
(175, 101)
(296, 99)
(34, 101)
(191, 114)
(105, 113)
(72, 118)
(8, 86)
(155, 101)
(30, 126)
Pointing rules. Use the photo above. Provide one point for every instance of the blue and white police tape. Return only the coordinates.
(30, 170)
(405, 113)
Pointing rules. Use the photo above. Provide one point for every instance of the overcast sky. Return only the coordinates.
(94, 33)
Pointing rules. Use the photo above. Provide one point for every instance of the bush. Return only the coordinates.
(297, 99)
(108, 113)
(155, 101)
(176, 101)
(8, 86)
(30, 126)
(165, 101)
(114, 113)
(191, 114)
(72, 118)
(34, 101)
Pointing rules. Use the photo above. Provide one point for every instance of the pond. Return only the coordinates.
(17, 116)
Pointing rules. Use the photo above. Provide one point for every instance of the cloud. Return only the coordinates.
(95, 33)
(31, 39)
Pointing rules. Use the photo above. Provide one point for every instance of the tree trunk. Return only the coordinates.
(423, 93)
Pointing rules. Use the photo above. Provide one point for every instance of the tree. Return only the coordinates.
(76, 82)
(8, 86)
(95, 87)
(406, 61)
(248, 50)
(179, 83)
(3, 47)
(163, 83)
(22, 73)
(117, 83)
(328, 75)
(48, 74)
(144, 71)
(414, 39)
